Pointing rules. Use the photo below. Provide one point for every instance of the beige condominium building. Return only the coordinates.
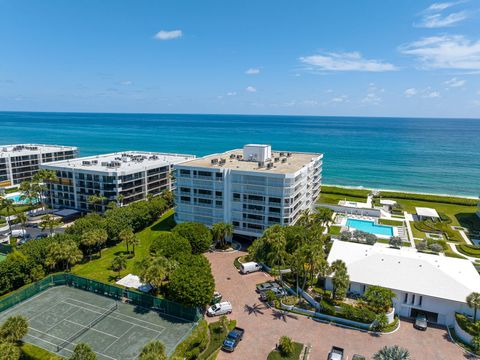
(251, 188)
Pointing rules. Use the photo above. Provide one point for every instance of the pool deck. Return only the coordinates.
(343, 224)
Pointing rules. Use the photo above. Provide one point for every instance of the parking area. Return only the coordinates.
(264, 326)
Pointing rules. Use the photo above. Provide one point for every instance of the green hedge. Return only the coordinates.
(467, 325)
(390, 222)
(362, 193)
(430, 198)
(470, 250)
(335, 230)
(196, 343)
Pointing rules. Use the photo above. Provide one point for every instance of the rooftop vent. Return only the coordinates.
(232, 156)
(223, 161)
(214, 161)
(289, 154)
(284, 160)
(277, 159)
(269, 165)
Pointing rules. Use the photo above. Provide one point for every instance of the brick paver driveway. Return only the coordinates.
(263, 326)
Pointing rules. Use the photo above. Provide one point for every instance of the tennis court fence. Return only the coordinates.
(163, 306)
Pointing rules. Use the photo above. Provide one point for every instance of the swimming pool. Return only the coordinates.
(17, 200)
(370, 227)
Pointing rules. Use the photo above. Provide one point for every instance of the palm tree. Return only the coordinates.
(157, 271)
(154, 350)
(8, 206)
(23, 219)
(50, 222)
(83, 352)
(340, 279)
(128, 237)
(9, 351)
(222, 231)
(65, 253)
(392, 353)
(96, 200)
(41, 178)
(14, 328)
(475, 343)
(94, 238)
(119, 263)
(120, 199)
(29, 192)
(473, 301)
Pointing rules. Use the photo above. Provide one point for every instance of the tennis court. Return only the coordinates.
(61, 317)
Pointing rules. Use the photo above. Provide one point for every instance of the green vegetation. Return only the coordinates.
(197, 234)
(472, 328)
(335, 230)
(392, 352)
(390, 222)
(293, 355)
(358, 193)
(100, 269)
(154, 350)
(469, 250)
(32, 352)
(429, 198)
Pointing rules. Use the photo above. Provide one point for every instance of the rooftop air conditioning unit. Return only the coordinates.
(222, 161)
(284, 160)
(214, 161)
(277, 159)
(232, 156)
(289, 154)
(269, 165)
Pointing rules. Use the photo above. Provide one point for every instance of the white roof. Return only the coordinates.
(427, 212)
(127, 161)
(408, 270)
(133, 281)
(30, 149)
(387, 202)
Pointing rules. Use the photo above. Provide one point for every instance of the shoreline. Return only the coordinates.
(401, 191)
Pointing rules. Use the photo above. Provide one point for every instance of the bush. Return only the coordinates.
(327, 308)
(193, 345)
(197, 234)
(170, 245)
(435, 248)
(362, 193)
(285, 346)
(470, 250)
(192, 282)
(472, 328)
(362, 315)
(430, 198)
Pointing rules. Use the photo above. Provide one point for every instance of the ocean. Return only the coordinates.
(421, 155)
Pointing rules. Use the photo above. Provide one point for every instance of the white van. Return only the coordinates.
(249, 267)
(220, 309)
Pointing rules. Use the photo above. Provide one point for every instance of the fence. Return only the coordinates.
(136, 298)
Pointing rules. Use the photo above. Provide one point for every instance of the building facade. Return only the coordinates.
(436, 286)
(119, 177)
(251, 188)
(20, 162)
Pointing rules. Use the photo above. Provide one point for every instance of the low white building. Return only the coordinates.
(431, 284)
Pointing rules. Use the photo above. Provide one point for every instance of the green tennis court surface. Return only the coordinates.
(61, 317)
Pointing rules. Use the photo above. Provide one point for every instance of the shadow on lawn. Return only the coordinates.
(166, 224)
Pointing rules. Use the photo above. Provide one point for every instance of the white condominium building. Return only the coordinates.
(251, 188)
(120, 177)
(21, 161)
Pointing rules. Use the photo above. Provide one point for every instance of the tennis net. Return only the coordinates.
(87, 327)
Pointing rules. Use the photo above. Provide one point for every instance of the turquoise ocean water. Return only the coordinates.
(425, 155)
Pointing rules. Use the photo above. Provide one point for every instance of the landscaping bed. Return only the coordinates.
(469, 250)
(390, 222)
(32, 352)
(467, 325)
(295, 355)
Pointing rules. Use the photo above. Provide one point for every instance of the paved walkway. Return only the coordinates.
(264, 326)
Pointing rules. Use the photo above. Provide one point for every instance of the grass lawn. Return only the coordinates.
(417, 233)
(390, 222)
(335, 230)
(295, 355)
(99, 268)
(333, 199)
(469, 250)
(18, 209)
(32, 352)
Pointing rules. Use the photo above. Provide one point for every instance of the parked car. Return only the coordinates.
(232, 339)
(221, 308)
(336, 353)
(249, 267)
(421, 322)
(269, 285)
(279, 292)
(217, 297)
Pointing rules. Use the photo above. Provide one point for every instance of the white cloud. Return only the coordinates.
(339, 99)
(168, 35)
(454, 82)
(250, 89)
(439, 20)
(252, 71)
(231, 93)
(345, 61)
(126, 82)
(410, 92)
(431, 95)
(440, 6)
(372, 99)
(445, 52)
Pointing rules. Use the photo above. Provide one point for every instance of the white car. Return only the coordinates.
(220, 309)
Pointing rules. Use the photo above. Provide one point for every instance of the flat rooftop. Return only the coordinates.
(28, 149)
(288, 162)
(407, 270)
(121, 161)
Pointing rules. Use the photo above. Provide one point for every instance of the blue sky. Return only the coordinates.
(368, 58)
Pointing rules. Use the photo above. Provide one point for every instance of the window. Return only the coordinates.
(184, 172)
(218, 193)
(413, 299)
(420, 300)
(405, 299)
(218, 176)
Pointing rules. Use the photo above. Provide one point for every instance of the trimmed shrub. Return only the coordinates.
(170, 245)
(197, 234)
(285, 346)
